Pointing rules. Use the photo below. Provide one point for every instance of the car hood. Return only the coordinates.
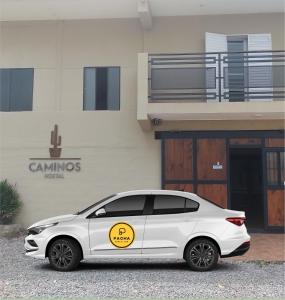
(62, 218)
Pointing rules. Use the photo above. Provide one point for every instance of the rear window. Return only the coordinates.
(191, 205)
(170, 204)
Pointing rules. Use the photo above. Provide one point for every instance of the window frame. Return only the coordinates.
(148, 209)
(280, 183)
(174, 213)
(92, 215)
(84, 90)
(32, 82)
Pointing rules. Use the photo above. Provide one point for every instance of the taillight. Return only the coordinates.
(237, 221)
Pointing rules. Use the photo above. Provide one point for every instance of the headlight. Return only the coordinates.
(39, 229)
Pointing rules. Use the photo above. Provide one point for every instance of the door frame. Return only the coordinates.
(263, 174)
(261, 135)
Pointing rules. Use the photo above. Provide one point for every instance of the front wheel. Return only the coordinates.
(201, 255)
(64, 255)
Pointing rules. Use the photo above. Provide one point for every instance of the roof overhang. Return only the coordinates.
(19, 10)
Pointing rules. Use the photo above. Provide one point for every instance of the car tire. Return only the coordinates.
(201, 255)
(64, 255)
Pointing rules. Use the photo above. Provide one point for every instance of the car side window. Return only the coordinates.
(169, 204)
(126, 206)
(191, 206)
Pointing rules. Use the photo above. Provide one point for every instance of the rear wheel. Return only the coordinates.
(201, 255)
(64, 254)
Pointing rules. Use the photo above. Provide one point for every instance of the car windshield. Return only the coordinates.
(93, 205)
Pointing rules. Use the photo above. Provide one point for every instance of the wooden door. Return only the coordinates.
(211, 159)
(275, 203)
(212, 169)
(178, 159)
(274, 186)
(178, 165)
(185, 187)
(208, 178)
(198, 162)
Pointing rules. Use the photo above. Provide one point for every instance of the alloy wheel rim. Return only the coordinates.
(61, 255)
(202, 255)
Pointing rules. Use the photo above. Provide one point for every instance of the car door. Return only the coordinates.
(120, 231)
(169, 225)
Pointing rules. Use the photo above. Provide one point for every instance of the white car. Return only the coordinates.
(142, 224)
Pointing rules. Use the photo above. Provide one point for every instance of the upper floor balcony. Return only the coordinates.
(211, 86)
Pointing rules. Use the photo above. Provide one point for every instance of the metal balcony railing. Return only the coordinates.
(217, 76)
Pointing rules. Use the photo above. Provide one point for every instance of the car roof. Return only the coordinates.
(205, 204)
(149, 191)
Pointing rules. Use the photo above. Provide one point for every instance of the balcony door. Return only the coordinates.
(237, 66)
(243, 69)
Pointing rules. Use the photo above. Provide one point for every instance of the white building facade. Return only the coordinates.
(84, 86)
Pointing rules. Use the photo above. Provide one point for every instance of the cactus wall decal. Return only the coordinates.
(55, 140)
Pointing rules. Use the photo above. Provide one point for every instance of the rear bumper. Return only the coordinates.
(242, 249)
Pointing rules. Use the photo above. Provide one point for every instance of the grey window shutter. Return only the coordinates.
(215, 42)
(113, 92)
(89, 101)
(21, 89)
(16, 89)
(260, 75)
(4, 89)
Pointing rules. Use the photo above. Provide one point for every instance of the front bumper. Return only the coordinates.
(242, 249)
(35, 246)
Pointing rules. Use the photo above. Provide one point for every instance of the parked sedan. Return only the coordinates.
(142, 224)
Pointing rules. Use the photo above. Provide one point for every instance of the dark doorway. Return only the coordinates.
(246, 189)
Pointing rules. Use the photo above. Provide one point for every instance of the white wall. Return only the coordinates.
(116, 154)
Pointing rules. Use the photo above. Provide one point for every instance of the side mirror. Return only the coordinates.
(100, 212)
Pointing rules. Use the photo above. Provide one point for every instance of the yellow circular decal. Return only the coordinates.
(121, 235)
